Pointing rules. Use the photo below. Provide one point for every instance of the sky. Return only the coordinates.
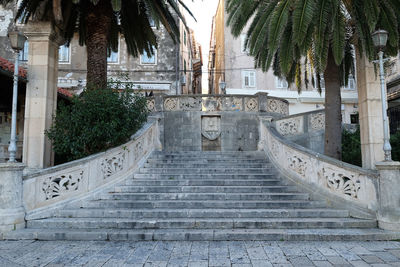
(203, 10)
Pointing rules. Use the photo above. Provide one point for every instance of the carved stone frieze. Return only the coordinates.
(190, 103)
(151, 106)
(138, 149)
(171, 104)
(232, 103)
(277, 106)
(275, 148)
(251, 104)
(317, 121)
(111, 165)
(290, 126)
(211, 103)
(59, 185)
(297, 163)
(341, 182)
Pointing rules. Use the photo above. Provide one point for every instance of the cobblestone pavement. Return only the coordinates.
(234, 253)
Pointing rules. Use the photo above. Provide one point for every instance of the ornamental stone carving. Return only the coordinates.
(297, 164)
(59, 185)
(277, 106)
(138, 149)
(232, 104)
(340, 182)
(275, 148)
(111, 165)
(170, 104)
(317, 121)
(151, 105)
(251, 104)
(211, 127)
(211, 103)
(190, 104)
(290, 126)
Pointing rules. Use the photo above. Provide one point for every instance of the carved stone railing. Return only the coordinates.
(69, 181)
(247, 103)
(305, 129)
(336, 181)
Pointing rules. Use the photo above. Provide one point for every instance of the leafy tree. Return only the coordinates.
(290, 34)
(95, 121)
(99, 23)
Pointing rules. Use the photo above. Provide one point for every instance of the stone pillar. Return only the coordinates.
(370, 113)
(12, 212)
(389, 195)
(262, 102)
(41, 93)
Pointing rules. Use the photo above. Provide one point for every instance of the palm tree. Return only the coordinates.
(99, 23)
(291, 34)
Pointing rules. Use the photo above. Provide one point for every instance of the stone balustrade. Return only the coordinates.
(246, 103)
(339, 183)
(50, 187)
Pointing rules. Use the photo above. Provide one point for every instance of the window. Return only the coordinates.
(146, 59)
(243, 48)
(281, 83)
(249, 78)
(354, 118)
(351, 83)
(23, 54)
(113, 57)
(63, 54)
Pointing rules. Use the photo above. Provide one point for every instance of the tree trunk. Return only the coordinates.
(333, 112)
(98, 30)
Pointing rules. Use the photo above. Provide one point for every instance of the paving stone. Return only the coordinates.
(275, 255)
(282, 265)
(381, 265)
(359, 264)
(313, 254)
(300, 261)
(395, 252)
(219, 262)
(360, 250)
(386, 256)
(156, 264)
(327, 251)
(256, 253)
(322, 263)
(371, 259)
(261, 263)
(336, 260)
(198, 264)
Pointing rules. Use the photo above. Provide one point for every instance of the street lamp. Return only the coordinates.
(222, 86)
(17, 43)
(379, 39)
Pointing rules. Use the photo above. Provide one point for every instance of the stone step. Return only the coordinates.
(202, 182)
(204, 170)
(191, 157)
(208, 161)
(202, 213)
(212, 153)
(213, 165)
(220, 176)
(205, 196)
(204, 189)
(201, 223)
(322, 234)
(208, 204)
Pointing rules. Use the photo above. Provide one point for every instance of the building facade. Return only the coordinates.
(229, 61)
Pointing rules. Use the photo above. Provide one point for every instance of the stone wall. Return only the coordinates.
(214, 122)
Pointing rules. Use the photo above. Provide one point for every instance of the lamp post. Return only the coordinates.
(222, 86)
(379, 39)
(17, 43)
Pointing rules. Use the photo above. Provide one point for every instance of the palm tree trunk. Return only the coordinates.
(98, 31)
(333, 113)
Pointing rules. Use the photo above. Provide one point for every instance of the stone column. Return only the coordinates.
(370, 113)
(262, 102)
(389, 195)
(12, 213)
(41, 93)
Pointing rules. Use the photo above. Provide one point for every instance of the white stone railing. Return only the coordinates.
(301, 123)
(336, 181)
(245, 103)
(72, 180)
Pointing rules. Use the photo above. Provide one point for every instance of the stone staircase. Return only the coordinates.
(203, 196)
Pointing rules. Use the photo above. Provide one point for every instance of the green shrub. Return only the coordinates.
(95, 121)
(395, 142)
(351, 147)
